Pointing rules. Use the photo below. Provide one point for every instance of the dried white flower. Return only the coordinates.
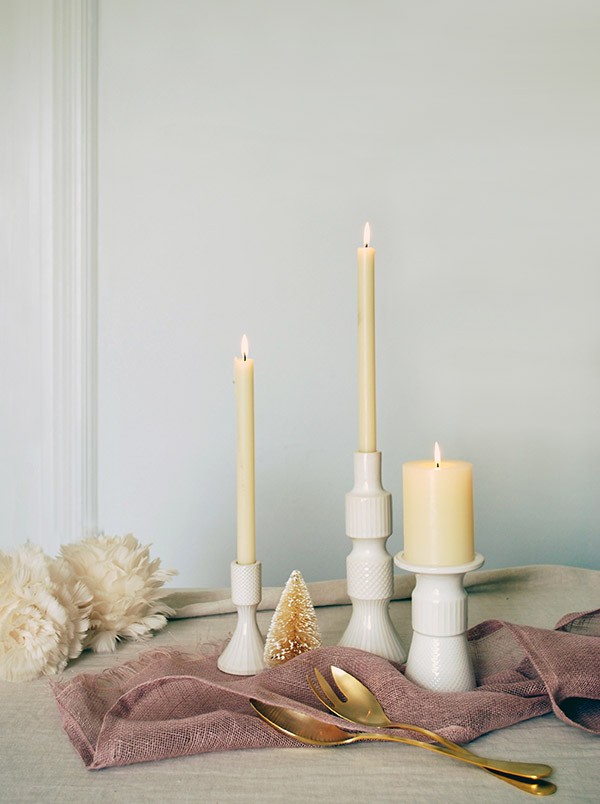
(124, 584)
(43, 614)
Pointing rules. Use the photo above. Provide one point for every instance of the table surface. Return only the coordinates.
(38, 763)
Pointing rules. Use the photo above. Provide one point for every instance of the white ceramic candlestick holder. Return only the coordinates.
(369, 567)
(244, 653)
(439, 658)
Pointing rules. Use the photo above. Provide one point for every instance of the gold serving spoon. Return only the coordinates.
(309, 730)
(361, 706)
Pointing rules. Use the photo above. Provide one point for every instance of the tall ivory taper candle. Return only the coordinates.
(367, 441)
(243, 374)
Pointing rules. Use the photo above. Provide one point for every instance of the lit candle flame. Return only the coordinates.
(367, 235)
(244, 347)
(436, 455)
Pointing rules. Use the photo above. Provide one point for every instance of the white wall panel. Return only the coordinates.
(48, 482)
(25, 300)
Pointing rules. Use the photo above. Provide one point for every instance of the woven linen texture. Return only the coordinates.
(170, 704)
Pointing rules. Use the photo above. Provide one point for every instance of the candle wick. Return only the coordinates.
(246, 358)
(437, 464)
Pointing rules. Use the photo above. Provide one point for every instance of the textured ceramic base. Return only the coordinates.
(369, 567)
(244, 653)
(441, 664)
(371, 629)
(439, 658)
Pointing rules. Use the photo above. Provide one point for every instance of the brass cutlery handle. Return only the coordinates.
(532, 770)
(309, 730)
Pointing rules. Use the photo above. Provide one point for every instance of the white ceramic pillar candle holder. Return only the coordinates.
(439, 658)
(244, 653)
(369, 567)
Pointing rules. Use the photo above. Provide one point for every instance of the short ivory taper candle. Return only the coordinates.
(243, 377)
(438, 512)
(366, 346)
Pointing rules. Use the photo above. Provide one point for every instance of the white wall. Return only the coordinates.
(48, 480)
(242, 145)
(25, 287)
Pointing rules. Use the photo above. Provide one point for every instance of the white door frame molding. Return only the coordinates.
(48, 196)
(75, 296)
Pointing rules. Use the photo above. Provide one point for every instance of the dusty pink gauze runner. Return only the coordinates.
(169, 704)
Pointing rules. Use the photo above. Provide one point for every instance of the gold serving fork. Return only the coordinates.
(362, 707)
(310, 730)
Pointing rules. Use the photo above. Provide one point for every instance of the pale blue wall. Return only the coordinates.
(242, 146)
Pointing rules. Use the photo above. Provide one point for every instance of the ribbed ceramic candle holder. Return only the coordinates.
(439, 658)
(244, 653)
(369, 567)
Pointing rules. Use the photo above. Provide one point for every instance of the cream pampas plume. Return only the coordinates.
(124, 584)
(43, 614)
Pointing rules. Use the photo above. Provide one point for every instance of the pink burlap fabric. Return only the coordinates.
(169, 704)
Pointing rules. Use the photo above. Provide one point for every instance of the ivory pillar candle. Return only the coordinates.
(366, 346)
(243, 377)
(438, 512)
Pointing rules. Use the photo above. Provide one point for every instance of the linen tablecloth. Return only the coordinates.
(38, 763)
